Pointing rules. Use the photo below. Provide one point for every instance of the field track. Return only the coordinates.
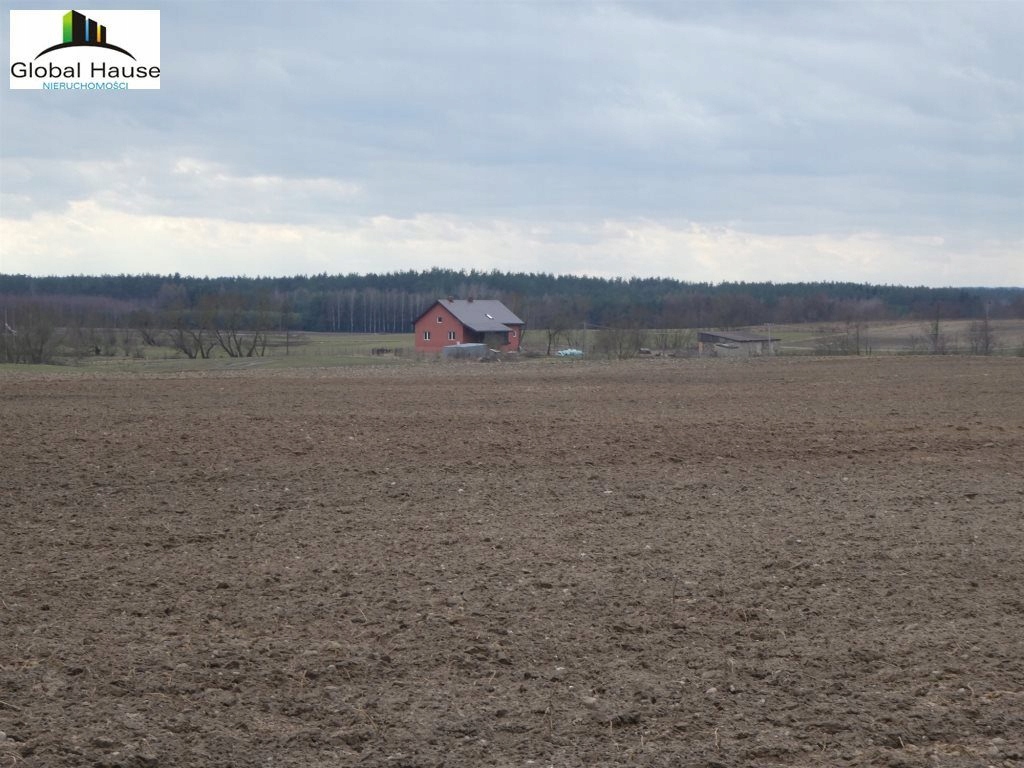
(781, 562)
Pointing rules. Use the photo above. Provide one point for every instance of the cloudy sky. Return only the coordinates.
(707, 141)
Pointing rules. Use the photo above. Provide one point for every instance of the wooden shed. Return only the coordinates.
(734, 344)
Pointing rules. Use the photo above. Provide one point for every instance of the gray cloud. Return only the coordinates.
(796, 119)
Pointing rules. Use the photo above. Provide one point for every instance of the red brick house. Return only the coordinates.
(468, 321)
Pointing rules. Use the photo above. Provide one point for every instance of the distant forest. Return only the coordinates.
(389, 303)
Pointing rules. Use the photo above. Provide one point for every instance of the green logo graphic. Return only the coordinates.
(81, 31)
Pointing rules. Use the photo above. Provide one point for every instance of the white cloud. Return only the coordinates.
(96, 239)
(148, 183)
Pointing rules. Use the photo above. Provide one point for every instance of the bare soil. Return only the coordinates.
(784, 562)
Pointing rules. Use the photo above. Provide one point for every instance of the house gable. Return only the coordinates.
(461, 321)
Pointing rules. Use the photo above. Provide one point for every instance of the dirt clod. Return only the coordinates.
(659, 562)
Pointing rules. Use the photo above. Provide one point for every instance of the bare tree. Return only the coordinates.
(238, 331)
(617, 343)
(938, 343)
(557, 325)
(852, 339)
(981, 337)
(147, 323)
(554, 316)
(189, 336)
(675, 341)
(30, 334)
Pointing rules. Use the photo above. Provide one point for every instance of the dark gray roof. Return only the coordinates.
(481, 315)
(738, 336)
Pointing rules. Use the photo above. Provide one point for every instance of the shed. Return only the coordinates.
(735, 344)
(467, 352)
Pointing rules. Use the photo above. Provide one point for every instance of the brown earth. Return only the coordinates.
(787, 562)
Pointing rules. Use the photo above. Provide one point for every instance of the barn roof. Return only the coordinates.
(737, 336)
(481, 315)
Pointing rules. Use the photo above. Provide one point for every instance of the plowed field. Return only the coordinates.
(787, 562)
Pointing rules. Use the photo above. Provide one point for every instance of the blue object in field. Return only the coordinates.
(570, 353)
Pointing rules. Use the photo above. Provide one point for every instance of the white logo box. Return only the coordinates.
(41, 59)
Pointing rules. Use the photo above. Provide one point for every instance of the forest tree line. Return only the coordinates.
(197, 315)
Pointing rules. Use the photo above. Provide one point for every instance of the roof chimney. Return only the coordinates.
(451, 299)
(470, 298)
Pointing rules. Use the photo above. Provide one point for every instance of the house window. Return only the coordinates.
(451, 335)
(440, 319)
(512, 334)
(426, 335)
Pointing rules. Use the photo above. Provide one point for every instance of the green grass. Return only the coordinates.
(31, 368)
(305, 350)
(347, 345)
(330, 350)
(895, 337)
